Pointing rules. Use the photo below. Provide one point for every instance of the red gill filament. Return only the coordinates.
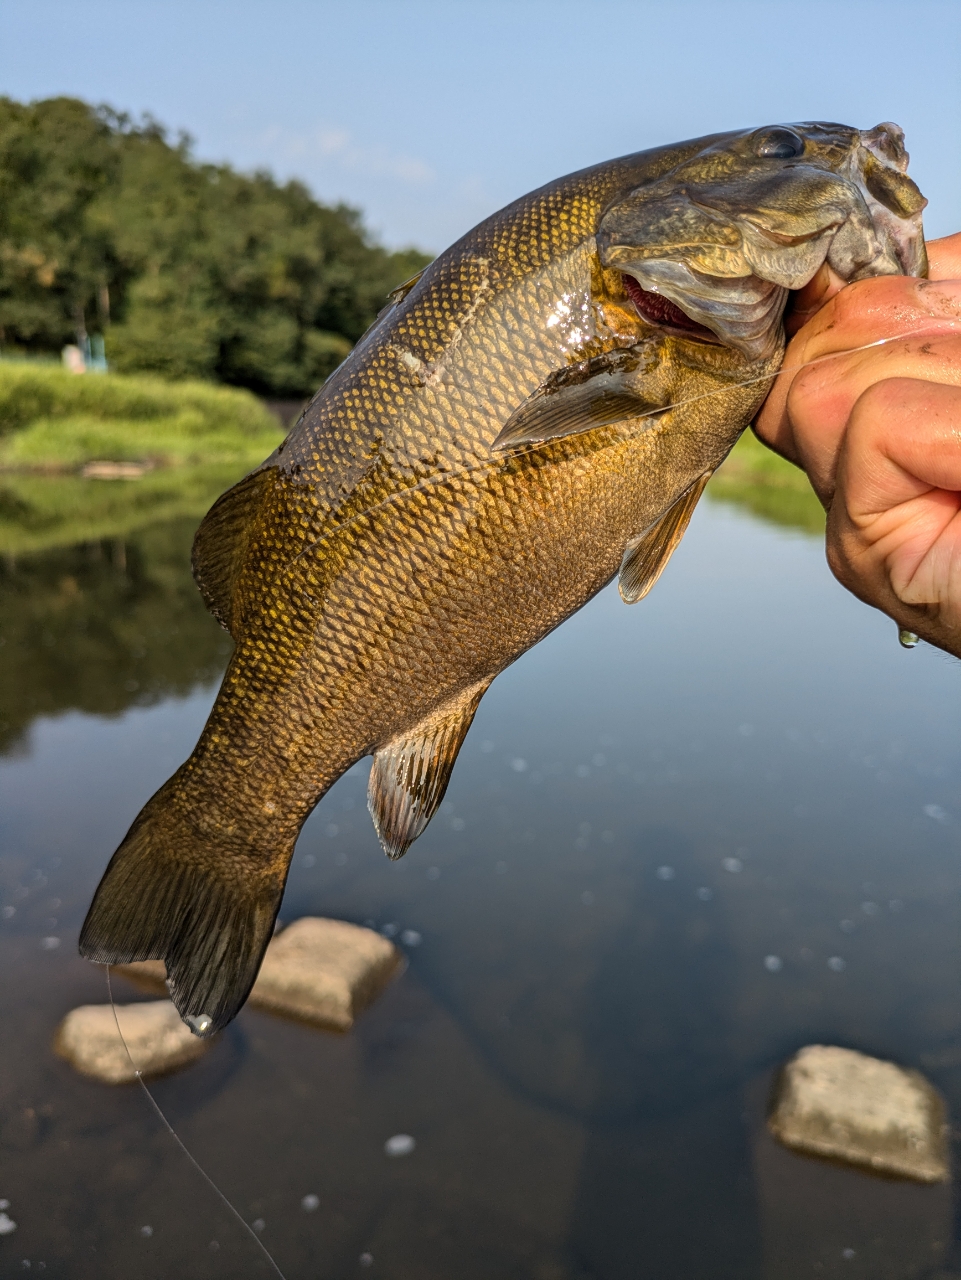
(656, 309)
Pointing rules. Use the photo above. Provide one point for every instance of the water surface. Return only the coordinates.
(683, 839)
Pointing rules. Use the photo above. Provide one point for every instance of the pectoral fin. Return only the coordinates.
(595, 393)
(410, 774)
(646, 557)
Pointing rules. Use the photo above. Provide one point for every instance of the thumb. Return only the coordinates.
(807, 301)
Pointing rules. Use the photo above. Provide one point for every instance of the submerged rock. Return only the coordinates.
(323, 971)
(157, 1040)
(844, 1105)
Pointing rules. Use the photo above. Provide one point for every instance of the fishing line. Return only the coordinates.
(170, 1129)
(462, 472)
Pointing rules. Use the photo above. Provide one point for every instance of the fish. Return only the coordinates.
(535, 413)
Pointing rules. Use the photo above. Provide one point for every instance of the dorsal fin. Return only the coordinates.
(595, 393)
(410, 774)
(646, 557)
(220, 543)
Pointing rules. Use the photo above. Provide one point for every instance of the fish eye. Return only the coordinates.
(779, 144)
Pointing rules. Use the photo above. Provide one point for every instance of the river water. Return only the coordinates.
(683, 839)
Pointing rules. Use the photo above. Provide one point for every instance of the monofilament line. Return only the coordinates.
(170, 1129)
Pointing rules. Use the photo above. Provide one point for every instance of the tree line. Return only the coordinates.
(108, 227)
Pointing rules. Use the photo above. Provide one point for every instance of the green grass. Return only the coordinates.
(198, 439)
(52, 420)
(755, 478)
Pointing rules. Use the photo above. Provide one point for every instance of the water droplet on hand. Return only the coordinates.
(907, 639)
(401, 1144)
(199, 1023)
(310, 1203)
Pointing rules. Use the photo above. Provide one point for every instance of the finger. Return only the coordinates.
(944, 258)
(862, 313)
(807, 302)
(894, 530)
(823, 396)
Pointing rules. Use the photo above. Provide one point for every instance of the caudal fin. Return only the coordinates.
(170, 894)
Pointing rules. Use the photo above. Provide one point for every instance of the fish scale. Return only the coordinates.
(516, 427)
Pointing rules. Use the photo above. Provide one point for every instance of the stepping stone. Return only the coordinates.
(322, 971)
(846, 1106)
(157, 1039)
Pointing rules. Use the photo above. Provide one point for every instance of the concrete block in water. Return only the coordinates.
(847, 1106)
(157, 1039)
(322, 971)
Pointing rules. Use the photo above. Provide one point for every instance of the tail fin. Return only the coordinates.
(170, 894)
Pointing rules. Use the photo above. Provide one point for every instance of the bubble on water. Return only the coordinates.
(869, 908)
(390, 930)
(519, 765)
(258, 1225)
(310, 1203)
(705, 894)
(837, 965)
(848, 1254)
(366, 1259)
(773, 964)
(732, 864)
(401, 1144)
(457, 824)
(411, 938)
(7, 1224)
(907, 639)
(847, 926)
(146, 1232)
(433, 873)
(8, 913)
(665, 873)
(587, 898)
(49, 944)
(199, 1023)
(4, 1204)
(308, 860)
(332, 830)
(936, 812)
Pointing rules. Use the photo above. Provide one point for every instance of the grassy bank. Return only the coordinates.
(192, 440)
(757, 479)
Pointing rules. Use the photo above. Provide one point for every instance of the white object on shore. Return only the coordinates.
(847, 1106)
(157, 1039)
(323, 971)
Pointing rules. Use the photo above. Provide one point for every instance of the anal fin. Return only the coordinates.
(410, 774)
(646, 557)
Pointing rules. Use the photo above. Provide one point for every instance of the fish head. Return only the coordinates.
(713, 245)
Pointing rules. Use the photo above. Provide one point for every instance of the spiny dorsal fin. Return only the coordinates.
(595, 393)
(220, 544)
(410, 774)
(646, 557)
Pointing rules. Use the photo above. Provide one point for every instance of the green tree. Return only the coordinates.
(191, 270)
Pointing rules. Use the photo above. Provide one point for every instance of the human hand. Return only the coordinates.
(878, 432)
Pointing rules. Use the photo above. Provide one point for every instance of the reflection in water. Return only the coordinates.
(646, 810)
(101, 627)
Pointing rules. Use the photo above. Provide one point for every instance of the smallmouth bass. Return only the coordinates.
(537, 411)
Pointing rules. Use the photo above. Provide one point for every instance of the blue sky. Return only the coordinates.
(429, 116)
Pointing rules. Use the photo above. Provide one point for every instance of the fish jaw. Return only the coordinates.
(727, 234)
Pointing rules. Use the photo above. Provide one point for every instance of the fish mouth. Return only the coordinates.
(712, 249)
(657, 309)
